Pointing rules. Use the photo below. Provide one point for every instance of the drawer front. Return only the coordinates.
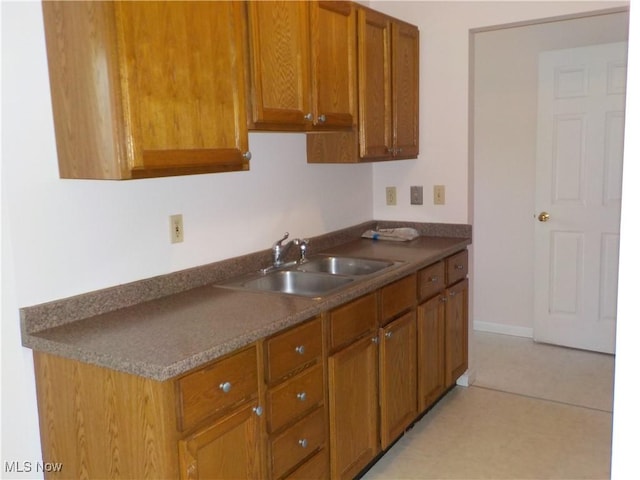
(431, 280)
(352, 320)
(457, 267)
(295, 397)
(316, 468)
(398, 297)
(215, 388)
(297, 443)
(290, 350)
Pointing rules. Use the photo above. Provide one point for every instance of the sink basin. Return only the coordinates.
(296, 283)
(344, 265)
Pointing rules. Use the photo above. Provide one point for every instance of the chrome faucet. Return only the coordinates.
(279, 250)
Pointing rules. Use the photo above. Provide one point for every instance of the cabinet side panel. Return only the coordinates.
(99, 423)
(85, 93)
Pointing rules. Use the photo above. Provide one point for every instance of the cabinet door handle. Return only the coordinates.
(375, 340)
(458, 267)
(388, 334)
(308, 117)
(443, 299)
(300, 349)
(434, 279)
(302, 396)
(225, 387)
(303, 443)
(398, 150)
(452, 294)
(246, 155)
(322, 118)
(257, 410)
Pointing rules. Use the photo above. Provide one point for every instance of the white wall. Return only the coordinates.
(505, 121)
(444, 100)
(64, 237)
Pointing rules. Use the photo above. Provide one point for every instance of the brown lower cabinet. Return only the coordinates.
(353, 407)
(224, 449)
(319, 400)
(398, 401)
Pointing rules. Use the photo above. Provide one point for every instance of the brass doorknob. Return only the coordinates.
(544, 216)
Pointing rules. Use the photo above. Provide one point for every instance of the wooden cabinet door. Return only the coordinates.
(279, 60)
(397, 377)
(183, 85)
(333, 64)
(431, 351)
(353, 407)
(227, 449)
(405, 81)
(374, 84)
(456, 336)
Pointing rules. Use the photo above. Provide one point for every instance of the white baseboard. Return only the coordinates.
(503, 329)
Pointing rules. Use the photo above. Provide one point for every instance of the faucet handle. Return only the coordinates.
(278, 243)
(303, 243)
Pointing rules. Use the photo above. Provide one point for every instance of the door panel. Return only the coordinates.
(578, 182)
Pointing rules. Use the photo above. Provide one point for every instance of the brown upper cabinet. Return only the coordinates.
(388, 86)
(302, 58)
(388, 96)
(146, 89)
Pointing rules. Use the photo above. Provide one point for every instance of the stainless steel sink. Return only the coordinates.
(349, 266)
(316, 277)
(296, 283)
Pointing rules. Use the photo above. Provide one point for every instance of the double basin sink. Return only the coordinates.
(318, 276)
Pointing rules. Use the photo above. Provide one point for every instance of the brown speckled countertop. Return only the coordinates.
(167, 336)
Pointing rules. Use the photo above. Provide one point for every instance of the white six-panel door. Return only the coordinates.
(581, 97)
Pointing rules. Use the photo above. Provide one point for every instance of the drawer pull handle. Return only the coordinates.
(303, 442)
(225, 387)
(302, 396)
(257, 410)
(459, 267)
(433, 279)
(300, 349)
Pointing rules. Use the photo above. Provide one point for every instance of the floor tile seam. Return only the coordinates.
(558, 402)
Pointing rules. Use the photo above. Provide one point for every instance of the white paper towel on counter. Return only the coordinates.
(403, 234)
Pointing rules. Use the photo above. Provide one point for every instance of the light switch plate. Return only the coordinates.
(391, 195)
(438, 194)
(177, 230)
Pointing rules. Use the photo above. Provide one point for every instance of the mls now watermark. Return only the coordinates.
(27, 467)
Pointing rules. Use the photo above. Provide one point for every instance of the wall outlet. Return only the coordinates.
(438, 194)
(416, 195)
(177, 230)
(391, 196)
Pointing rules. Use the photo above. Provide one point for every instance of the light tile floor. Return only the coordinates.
(534, 412)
